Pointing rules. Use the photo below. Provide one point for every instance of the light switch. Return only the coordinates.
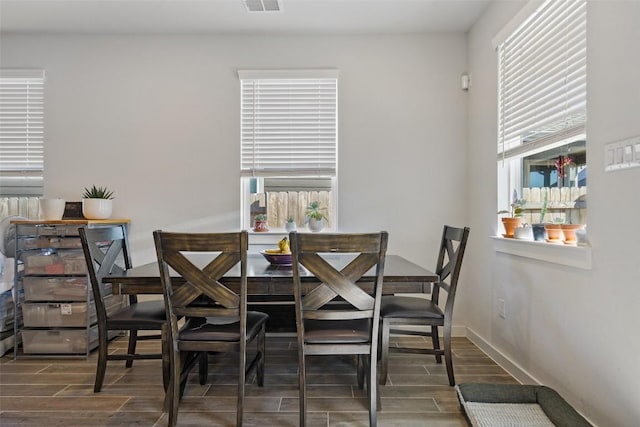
(609, 157)
(628, 153)
(622, 154)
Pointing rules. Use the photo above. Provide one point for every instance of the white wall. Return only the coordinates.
(128, 112)
(156, 118)
(574, 330)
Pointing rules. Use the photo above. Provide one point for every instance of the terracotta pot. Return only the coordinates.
(569, 231)
(554, 233)
(509, 226)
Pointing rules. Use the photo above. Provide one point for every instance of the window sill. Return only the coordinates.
(572, 256)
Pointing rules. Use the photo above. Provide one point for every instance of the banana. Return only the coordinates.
(283, 244)
(283, 248)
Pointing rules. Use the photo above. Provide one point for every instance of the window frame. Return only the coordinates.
(22, 132)
(319, 139)
(573, 126)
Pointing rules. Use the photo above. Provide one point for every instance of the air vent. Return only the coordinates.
(261, 5)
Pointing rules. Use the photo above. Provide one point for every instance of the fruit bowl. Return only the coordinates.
(278, 259)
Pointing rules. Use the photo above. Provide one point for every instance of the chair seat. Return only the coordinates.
(141, 315)
(409, 307)
(336, 331)
(198, 329)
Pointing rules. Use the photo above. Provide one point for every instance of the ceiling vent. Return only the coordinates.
(262, 5)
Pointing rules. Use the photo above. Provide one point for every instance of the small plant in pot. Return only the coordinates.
(97, 202)
(569, 233)
(511, 222)
(290, 224)
(538, 229)
(260, 223)
(554, 231)
(315, 216)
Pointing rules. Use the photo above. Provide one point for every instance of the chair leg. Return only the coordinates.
(175, 387)
(102, 359)
(186, 362)
(261, 353)
(131, 350)
(447, 355)
(242, 372)
(374, 401)
(360, 363)
(435, 339)
(384, 353)
(302, 385)
(166, 364)
(203, 367)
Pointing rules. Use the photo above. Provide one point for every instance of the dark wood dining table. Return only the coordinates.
(270, 287)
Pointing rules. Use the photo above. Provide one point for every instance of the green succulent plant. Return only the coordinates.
(543, 211)
(97, 193)
(261, 217)
(315, 211)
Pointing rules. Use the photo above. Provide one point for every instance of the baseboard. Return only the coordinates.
(457, 331)
(500, 358)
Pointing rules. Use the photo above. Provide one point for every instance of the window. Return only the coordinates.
(288, 144)
(542, 111)
(21, 132)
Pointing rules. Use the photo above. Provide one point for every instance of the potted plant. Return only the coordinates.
(97, 202)
(554, 231)
(511, 222)
(569, 233)
(260, 223)
(290, 224)
(315, 216)
(538, 229)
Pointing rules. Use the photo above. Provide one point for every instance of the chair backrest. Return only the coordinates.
(318, 253)
(452, 246)
(106, 251)
(201, 260)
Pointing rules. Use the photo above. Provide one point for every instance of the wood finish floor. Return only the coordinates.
(59, 392)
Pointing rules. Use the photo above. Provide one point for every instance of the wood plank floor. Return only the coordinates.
(59, 392)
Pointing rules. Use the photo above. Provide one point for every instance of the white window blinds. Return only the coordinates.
(289, 123)
(21, 132)
(542, 80)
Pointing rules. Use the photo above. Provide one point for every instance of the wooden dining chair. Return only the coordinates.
(216, 317)
(337, 316)
(404, 313)
(106, 251)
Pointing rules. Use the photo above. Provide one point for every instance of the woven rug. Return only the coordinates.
(506, 415)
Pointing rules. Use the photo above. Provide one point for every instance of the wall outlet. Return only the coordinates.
(502, 309)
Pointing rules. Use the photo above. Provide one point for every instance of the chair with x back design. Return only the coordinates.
(337, 316)
(216, 317)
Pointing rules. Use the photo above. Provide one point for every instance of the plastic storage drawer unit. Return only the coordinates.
(55, 288)
(59, 341)
(66, 315)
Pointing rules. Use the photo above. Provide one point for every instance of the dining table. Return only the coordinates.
(270, 287)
